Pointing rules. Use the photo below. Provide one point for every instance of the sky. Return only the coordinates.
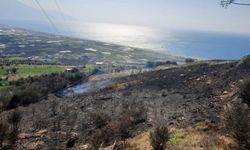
(205, 15)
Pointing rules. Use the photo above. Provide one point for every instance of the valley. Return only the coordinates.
(80, 94)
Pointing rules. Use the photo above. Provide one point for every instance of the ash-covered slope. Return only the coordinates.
(183, 96)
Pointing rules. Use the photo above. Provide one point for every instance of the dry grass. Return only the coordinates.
(140, 142)
(185, 139)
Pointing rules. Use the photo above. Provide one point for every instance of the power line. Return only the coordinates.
(47, 16)
(241, 3)
(226, 3)
(62, 15)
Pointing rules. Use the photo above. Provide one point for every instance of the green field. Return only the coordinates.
(28, 70)
(17, 58)
(37, 70)
(25, 71)
(2, 72)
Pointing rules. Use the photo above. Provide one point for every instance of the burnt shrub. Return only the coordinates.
(119, 130)
(237, 124)
(34, 89)
(5, 98)
(40, 122)
(25, 96)
(14, 120)
(105, 136)
(208, 91)
(3, 131)
(71, 142)
(100, 119)
(115, 130)
(132, 114)
(245, 92)
(54, 106)
(136, 111)
(159, 137)
(11, 137)
(119, 127)
(97, 138)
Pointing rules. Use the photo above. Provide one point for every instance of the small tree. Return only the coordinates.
(159, 137)
(14, 120)
(100, 119)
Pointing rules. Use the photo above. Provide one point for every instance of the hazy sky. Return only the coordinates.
(180, 14)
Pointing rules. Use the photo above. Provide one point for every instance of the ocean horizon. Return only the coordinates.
(188, 43)
(197, 44)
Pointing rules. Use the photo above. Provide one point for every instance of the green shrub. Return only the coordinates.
(159, 137)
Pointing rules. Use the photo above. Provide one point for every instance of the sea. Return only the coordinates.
(196, 44)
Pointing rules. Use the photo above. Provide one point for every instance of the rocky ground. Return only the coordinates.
(181, 96)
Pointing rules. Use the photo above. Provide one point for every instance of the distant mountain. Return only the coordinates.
(17, 14)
